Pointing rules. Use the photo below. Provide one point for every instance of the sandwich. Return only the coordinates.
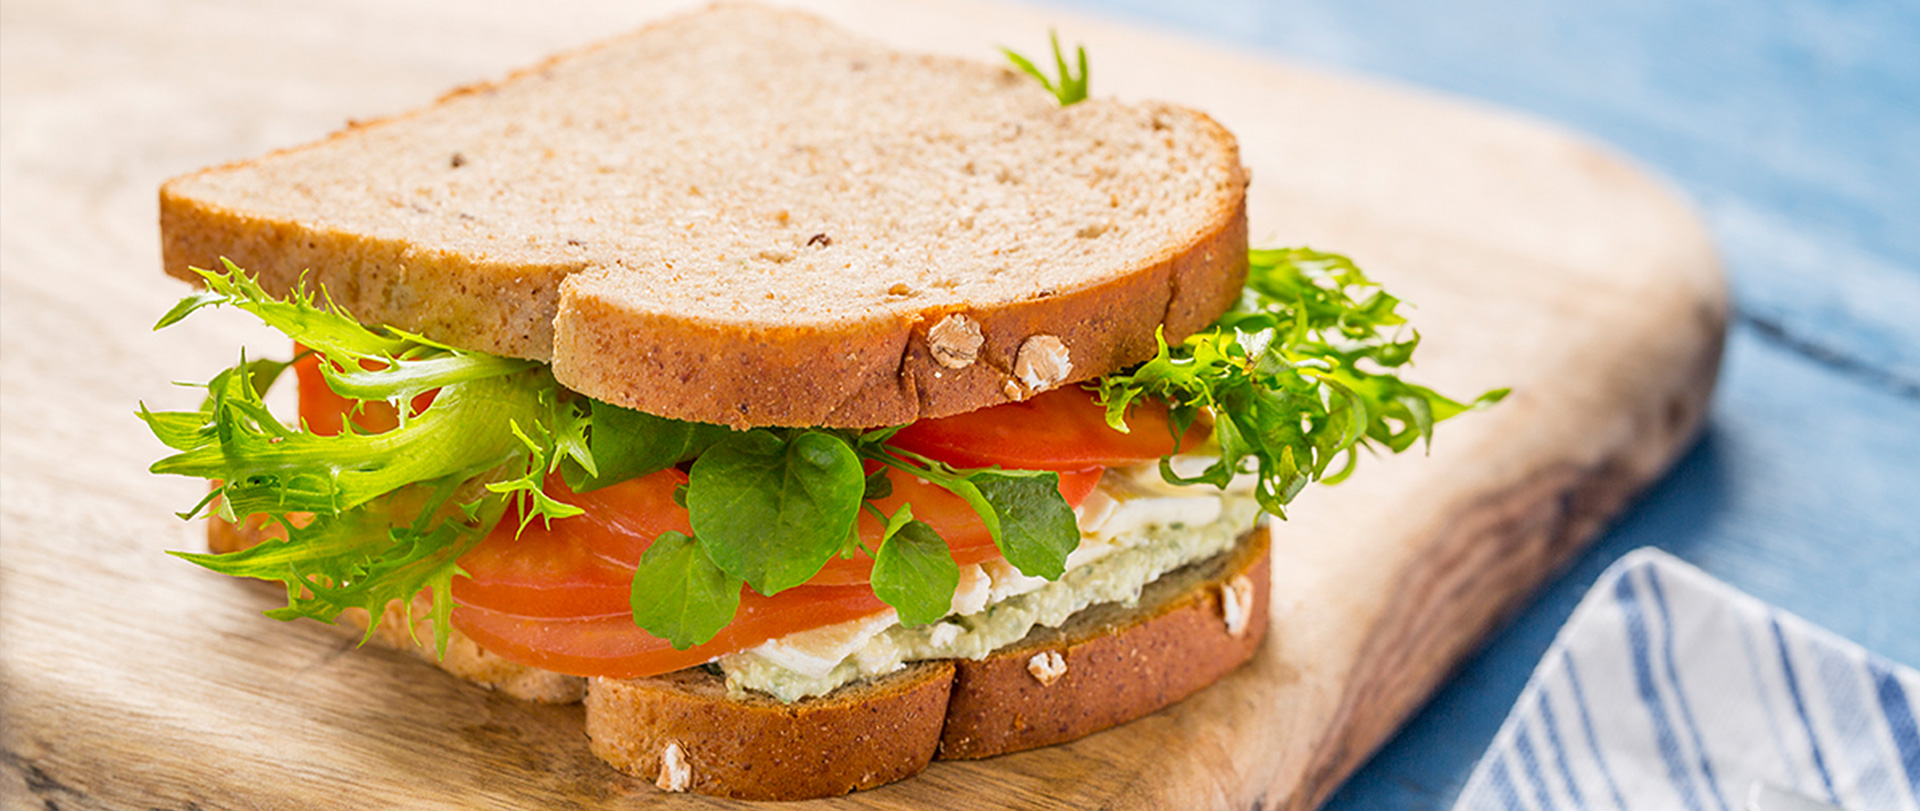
(807, 409)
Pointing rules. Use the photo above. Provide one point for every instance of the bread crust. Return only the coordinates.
(1120, 662)
(882, 372)
(501, 308)
(757, 748)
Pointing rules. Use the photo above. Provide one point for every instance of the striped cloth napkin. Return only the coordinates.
(1668, 689)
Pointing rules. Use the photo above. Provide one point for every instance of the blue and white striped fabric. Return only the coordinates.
(1668, 689)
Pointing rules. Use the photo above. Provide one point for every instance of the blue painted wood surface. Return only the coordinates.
(1795, 127)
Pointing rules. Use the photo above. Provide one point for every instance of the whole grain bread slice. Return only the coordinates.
(1113, 662)
(748, 216)
(684, 732)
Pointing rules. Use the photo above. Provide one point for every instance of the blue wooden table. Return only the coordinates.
(1795, 127)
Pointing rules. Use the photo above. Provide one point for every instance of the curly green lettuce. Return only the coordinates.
(1299, 375)
(368, 518)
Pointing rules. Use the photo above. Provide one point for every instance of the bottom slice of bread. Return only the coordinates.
(682, 731)
(1108, 664)
(1112, 662)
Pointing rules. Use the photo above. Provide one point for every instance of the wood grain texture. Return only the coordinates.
(132, 680)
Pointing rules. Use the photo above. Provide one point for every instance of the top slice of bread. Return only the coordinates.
(747, 216)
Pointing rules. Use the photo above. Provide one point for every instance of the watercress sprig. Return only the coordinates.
(770, 507)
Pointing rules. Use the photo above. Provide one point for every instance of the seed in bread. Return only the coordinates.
(955, 341)
(675, 773)
(1047, 666)
(1236, 604)
(1043, 362)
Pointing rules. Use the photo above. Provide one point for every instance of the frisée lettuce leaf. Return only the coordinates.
(1298, 375)
(367, 518)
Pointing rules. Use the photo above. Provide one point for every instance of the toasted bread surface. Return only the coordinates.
(747, 216)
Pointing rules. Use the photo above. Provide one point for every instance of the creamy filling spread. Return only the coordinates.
(1133, 528)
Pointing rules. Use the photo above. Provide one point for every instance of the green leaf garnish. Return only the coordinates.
(878, 485)
(772, 510)
(268, 468)
(914, 570)
(625, 444)
(1297, 376)
(1037, 528)
(1023, 510)
(187, 306)
(1069, 89)
(360, 560)
(679, 595)
(528, 491)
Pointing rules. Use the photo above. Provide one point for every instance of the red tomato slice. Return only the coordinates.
(579, 566)
(611, 645)
(1063, 429)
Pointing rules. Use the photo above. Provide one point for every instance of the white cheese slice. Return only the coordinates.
(814, 653)
(974, 590)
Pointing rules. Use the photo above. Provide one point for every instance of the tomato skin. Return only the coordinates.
(611, 645)
(578, 566)
(557, 598)
(1062, 429)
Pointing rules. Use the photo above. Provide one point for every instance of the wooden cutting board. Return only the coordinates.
(1537, 260)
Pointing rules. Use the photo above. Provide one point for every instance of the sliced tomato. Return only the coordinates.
(611, 645)
(1063, 429)
(578, 566)
(557, 597)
